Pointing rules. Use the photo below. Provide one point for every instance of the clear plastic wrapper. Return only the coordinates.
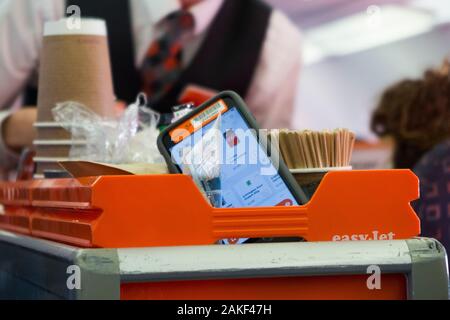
(203, 162)
(129, 138)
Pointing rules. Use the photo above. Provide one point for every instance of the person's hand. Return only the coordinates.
(18, 129)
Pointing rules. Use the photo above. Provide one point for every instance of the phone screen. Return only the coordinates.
(248, 177)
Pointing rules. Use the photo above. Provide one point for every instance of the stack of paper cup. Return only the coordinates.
(75, 66)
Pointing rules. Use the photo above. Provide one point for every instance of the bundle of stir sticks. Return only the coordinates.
(313, 150)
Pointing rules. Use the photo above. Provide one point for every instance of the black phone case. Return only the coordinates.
(284, 172)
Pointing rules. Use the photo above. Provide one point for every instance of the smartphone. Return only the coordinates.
(249, 175)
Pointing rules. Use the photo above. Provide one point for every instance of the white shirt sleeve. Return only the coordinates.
(21, 28)
(273, 91)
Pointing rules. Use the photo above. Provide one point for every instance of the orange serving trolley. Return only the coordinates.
(169, 210)
(167, 215)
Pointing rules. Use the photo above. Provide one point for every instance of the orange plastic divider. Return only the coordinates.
(169, 210)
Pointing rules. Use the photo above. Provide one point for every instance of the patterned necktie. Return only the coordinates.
(163, 63)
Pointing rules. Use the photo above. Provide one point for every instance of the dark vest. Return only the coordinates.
(226, 60)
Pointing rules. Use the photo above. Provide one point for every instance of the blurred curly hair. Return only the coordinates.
(416, 113)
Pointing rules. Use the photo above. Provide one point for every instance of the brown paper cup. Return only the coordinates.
(43, 166)
(53, 134)
(52, 150)
(75, 67)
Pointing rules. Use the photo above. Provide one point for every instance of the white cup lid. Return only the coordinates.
(69, 26)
